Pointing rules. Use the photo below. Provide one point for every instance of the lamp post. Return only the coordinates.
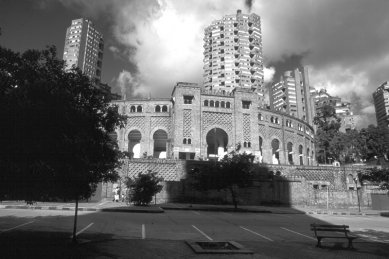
(356, 187)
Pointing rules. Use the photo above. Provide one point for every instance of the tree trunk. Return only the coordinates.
(234, 201)
(74, 239)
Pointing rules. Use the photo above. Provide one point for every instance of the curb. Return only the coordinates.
(343, 213)
(128, 210)
(217, 209)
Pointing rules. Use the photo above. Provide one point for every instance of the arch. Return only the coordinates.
(134, 138)
(272, 119)
(133, 108)
(139, 108)
(301, 155)
(189, 141)
(212, 103)
(350, 179)
(308, 157)
(184, 141)
(164, 108)
(313, 156)
(228, 105)
(260, 117)
(157, 108)
(245, 144)
(249, 144)
(160, 141)
(275, 146)
(222, 104)
(206, 103)
(217, 141)
(217, 104)
(289, 148)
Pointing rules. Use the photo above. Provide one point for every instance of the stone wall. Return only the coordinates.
(292, 185)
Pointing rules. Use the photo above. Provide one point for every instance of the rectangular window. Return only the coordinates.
(188, 99)
(246, 104)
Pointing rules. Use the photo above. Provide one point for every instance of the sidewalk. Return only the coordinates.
(110, 206)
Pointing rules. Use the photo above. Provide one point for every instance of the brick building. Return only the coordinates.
(196, 123)
(205, 122)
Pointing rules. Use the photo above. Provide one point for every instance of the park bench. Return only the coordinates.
(332, 231)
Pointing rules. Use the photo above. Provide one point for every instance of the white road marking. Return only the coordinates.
(195, 212)
(202, 233)
(255, 233)
(5, 230)
(298, 233)
(82, 230)
(228, 214)
(143, 231)
(103, 203)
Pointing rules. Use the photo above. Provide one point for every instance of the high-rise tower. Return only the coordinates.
(381, 103)
(233, 54)
(292, 95)
(84, 47)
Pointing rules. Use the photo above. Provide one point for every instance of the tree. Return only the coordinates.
(234, 171)
(376, 176)
(144, 187)
(54, 141)
(328, 128)
(373, 143)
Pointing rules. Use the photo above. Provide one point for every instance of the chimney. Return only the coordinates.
(239, 11)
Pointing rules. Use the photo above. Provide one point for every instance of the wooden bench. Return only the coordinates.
(332, 231)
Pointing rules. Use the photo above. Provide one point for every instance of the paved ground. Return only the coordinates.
(32, 233)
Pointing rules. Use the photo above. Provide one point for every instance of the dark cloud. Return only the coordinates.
(248, 4)
(287, 63)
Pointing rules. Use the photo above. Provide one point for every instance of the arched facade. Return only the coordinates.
(192, 113)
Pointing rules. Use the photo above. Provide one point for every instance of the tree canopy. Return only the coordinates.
(234, 171)
(54, 140)
(328, 130)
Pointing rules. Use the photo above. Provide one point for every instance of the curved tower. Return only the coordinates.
(233, 54)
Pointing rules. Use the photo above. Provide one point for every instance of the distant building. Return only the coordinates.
(233, 54)
(381, 104)
(343, 111)
(292, 95)
(84, 47)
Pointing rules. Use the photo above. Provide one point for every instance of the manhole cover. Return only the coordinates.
(218, 247)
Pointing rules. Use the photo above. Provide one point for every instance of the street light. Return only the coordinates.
(356, 187)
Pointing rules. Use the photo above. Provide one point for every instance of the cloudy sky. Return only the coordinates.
(152, 44)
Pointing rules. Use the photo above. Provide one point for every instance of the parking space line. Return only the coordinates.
(255, 233)
(82, 230)
(298, 233)
(143, 231)
(9, 229)
(228, 214)
(202, 233)
(195, 212)
(103, 203)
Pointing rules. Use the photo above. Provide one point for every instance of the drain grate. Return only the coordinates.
(218, 247)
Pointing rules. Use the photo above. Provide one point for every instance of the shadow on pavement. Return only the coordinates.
(50, 238)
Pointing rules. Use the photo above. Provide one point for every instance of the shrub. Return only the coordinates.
(143, 188)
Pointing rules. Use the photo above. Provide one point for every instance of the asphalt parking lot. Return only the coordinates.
(46, 233)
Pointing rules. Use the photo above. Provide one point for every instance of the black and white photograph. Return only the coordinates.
(194, 129)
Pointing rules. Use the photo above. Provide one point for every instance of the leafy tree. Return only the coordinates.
(377, 176)
(373, 142)
(234, 171)
(328, 128)
(54, 141)
(143, 187)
